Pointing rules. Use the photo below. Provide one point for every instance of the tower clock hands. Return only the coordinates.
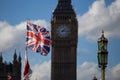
(63, 31)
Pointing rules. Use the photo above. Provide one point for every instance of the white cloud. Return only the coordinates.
(14, 36)
(41, 71)
(115, 72)
(85, 71)
(100, 17)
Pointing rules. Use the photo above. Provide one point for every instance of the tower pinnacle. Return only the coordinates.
(1, 59)
(15, 55)
(19, 58)
(64, 1)
(64, 7)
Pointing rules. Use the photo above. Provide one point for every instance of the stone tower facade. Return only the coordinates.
(64, 35)
(13, 68)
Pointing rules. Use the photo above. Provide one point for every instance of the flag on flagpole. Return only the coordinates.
(27, 70)
(37, 39)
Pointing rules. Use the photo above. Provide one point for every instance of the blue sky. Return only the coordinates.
(93, 17)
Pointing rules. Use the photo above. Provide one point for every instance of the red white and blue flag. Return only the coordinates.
(9, 77)
(27, 70)
(37, 39)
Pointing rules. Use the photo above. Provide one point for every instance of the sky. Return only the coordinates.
(93, 16)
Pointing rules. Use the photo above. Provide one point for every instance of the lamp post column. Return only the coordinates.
(102, 54)
(103, 73)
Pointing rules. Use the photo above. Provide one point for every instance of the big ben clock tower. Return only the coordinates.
(64, 35)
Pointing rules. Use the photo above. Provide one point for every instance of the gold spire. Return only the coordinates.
(102, 33)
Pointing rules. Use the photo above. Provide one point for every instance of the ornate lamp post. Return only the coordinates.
(102, 54)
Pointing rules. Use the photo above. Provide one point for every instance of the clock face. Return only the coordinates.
(63, 31)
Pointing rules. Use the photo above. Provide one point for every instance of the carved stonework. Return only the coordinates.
(64, 34)
(13, 68)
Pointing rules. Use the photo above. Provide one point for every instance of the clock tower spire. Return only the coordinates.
(64, 6)
(65, 0)
(64, 35)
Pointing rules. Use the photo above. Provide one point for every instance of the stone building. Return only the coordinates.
(13, 68)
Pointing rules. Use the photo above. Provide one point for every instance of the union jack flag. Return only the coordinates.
(37, 39)
(27, 70)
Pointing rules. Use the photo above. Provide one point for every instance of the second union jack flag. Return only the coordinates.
(37, 39)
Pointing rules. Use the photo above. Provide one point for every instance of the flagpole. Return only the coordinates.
(26, 53)
(27, 71)
(28, 20)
